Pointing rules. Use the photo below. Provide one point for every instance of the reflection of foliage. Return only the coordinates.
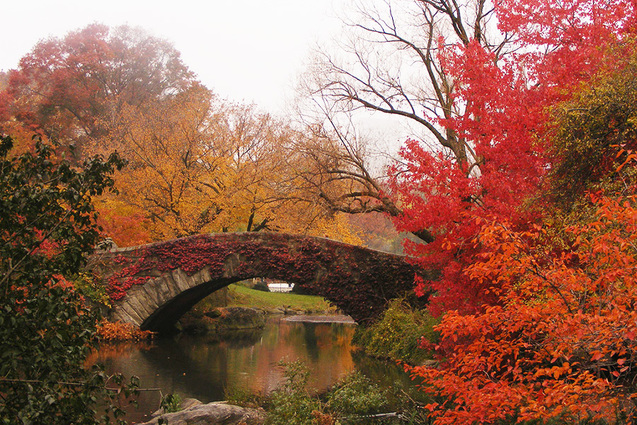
(110, 351)
(237, 338)
(399, 334)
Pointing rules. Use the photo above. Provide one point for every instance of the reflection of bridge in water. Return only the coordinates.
(154, 285)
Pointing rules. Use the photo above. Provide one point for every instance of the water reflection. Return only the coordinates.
(206, 368)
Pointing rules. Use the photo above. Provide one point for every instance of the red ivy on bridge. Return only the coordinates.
(293, 259)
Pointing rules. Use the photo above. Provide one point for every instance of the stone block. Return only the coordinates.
(128, 313)
(183, 282)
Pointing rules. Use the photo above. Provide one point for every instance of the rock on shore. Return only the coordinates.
(217, 413)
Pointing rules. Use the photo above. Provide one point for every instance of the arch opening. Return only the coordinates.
(164, 319)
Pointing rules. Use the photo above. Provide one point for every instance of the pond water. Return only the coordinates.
(208, 368)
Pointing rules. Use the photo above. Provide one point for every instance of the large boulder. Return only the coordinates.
(217, 413)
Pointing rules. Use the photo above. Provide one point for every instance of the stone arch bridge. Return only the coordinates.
(153, 285)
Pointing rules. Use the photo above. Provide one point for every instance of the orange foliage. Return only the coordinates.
(125, 224)
(118, 331)
(561, 342)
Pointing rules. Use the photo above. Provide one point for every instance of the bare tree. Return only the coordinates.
(334, 170)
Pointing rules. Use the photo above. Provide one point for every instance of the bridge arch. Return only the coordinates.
(153, 285)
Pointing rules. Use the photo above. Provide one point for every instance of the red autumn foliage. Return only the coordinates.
(71, 87)
(536, 327)
(506, 102)
(561, 341)
(125, 229)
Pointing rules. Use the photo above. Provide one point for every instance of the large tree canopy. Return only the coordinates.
(394, 66)
(70, 88)
(197, 163)
(536, 301)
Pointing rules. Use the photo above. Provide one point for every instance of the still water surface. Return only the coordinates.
(208, 368)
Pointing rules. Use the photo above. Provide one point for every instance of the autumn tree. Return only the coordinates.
(393, 66)
(204, 164)
(594, 134)
(199, 164)
(408, 60)
(165, 144)
(4, 82)
(556, 343)
(560, 344)
(477, 80)
(69, 88)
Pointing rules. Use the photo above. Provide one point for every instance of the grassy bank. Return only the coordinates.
(241, 296)
(270, 302)
(217, 313)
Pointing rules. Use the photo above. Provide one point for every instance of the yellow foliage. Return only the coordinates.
(336, 227)
(199, 165)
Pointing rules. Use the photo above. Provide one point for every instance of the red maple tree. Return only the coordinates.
(507, 103)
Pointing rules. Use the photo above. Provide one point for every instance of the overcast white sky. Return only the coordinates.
(244, 50)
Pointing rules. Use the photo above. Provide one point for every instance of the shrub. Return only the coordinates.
(88, 286)
(171, 403)
(118, 331)
(243, 397)
(354, 400)
(47, 229)
(399, 334)
(261, 286)
(291, 404)
(356, 395)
